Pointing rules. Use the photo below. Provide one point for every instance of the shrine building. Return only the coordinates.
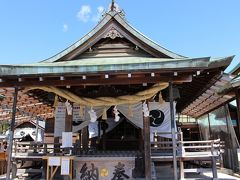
(117, 105)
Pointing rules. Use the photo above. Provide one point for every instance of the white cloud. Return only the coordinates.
(84, 13)
(100, 11)
(65, 27)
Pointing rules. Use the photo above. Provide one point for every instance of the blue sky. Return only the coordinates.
(35, 30)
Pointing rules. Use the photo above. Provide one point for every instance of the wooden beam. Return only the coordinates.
(97, 81)
(147, 147)
(85, 138)
(173, 130)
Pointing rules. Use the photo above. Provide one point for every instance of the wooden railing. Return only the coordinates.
(215, 147)
(33, 148)
(210, 150)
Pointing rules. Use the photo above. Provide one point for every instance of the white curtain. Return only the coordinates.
(93, 127)
(136, 118)
(86, 116)
(137, 114)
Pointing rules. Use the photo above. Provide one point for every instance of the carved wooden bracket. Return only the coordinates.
(113, 33)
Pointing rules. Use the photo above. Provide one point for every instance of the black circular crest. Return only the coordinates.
(22, 133)
(156, 117)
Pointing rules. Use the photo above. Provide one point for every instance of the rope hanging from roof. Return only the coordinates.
(103, 101)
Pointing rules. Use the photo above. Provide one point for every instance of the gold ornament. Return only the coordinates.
(104, 172)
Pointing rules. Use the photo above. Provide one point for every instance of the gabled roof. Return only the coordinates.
(113, 21)
(113, 47)
(40, 125)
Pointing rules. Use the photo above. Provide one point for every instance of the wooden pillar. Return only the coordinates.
(56, 140)
(79, 143)
(181, 164)
(44, 169)
(214, 167)
(233, 147)
(11, 133)
(56, 145)
(237, 93)
(173, 130)
(68, 128)
(147, 148)
(140, 140)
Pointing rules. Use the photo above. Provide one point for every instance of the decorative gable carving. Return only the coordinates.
(113, 33)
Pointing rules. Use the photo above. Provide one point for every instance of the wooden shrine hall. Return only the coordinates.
(100, 92)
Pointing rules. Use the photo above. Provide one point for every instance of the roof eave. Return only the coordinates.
(221, 62)
(58, 68)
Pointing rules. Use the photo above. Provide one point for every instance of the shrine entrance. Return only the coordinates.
(124, 136)
(113, 134)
